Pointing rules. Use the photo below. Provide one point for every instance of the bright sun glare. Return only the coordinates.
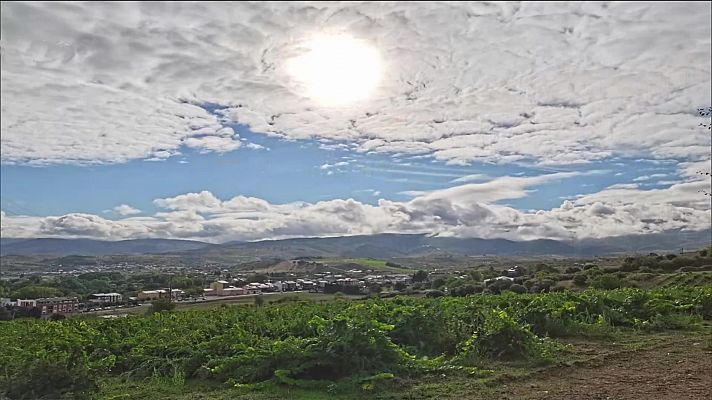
(337, 70)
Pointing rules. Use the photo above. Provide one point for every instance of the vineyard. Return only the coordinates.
(305, 344)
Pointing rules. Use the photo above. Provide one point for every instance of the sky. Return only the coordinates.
(249, 121)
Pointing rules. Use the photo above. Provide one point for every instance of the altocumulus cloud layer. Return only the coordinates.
(556, 83)
(545, 83)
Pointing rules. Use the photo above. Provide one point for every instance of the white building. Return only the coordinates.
(105, 298)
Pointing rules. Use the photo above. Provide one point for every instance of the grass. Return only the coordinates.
(217, 302)
(484, 384)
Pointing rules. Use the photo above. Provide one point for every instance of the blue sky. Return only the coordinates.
(289, 171)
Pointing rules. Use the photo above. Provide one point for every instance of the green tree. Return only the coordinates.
(35, 292)
(162, 305)
(420, 276)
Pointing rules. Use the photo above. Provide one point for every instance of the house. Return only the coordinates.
(4, 302)
(347, 282)
(103, 298)
(55, 305)
(26, 303)
(289, 286)
(516, 271)
(403, 279)
(232, 291)
(252, 290)
(152, 294)
(499, 278)
(219, 289)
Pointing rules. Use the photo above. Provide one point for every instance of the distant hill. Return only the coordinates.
(89, 247)
(404, 245)
(374, 246)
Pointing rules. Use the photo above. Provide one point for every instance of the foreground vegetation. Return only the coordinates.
(307, 346)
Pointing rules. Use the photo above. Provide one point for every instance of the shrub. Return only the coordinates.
(434, 293)
(161, 305)
(518, 288)
(500, 337)
(607, 282)
(437, 283)
(49, 376)
(580, 279)
(420, 276)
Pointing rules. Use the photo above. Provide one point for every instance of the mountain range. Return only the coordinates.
(376, 246)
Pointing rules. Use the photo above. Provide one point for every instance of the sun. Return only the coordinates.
(336, 70)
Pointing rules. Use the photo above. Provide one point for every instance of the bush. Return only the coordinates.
(161, 305)
(434, 293)
(500, 337)
(420, 276)
(572, 270)
(55, 377)
(518, 288)
(607, 282)
(580, 279)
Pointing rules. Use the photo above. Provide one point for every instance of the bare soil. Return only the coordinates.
(677, 368)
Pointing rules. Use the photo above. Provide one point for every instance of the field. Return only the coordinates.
(485, 346)
(235, 300)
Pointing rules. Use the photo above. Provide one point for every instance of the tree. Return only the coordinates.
(161, 305)
(516, 288)
(580, 279)
(35, 312)
(375, 289)
(420, 276)
(57, 317)
(5, 314)
(438, 283)
(475, 276)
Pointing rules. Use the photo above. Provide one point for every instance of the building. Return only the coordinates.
(152, 294)
(26, 303)
(499, 278)
(516, 271)
(52, 305)
(104, 298)
(159, 294)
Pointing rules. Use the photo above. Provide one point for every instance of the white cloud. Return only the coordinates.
(649, 177)
(468, 210)
(328, 166)
(470, 178)
(553, 83)
(126, 209)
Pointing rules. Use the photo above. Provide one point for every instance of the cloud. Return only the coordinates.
(543, 82)
(649, 177)
(470, 178)
(328, 166)
(125, 210)
(468, 210)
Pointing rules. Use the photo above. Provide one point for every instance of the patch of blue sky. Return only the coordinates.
(288, 171)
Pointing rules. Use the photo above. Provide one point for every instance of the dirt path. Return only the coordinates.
(680, 369)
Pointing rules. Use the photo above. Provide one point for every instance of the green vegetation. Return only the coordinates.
(370, 263)
(307, 346)
(83, 285)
